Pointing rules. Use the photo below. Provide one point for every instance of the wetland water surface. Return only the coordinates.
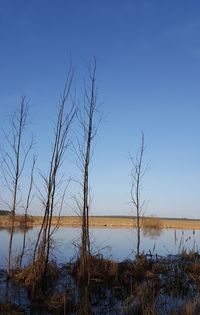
(118, 243)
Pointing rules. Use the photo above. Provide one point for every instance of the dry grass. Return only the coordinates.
(152, 223)
(106, 221)
(20, 221)
(31, 277)
(191, 308)
(103, 270)
(10, 309)
(59, 303)
(131, 274)
(137, 284)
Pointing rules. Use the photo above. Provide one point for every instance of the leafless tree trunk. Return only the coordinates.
(28, 202)
(86, 119)
(137, 174)
(14, 161)
(52, 182)
(89, 128)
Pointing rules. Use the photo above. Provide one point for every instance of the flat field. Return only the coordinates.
(108, 221)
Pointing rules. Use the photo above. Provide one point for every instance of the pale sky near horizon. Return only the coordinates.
(148, 78)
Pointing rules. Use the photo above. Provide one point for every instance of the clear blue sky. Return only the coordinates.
(148, 77)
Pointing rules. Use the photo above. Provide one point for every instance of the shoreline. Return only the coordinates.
(151, 277)
(106, 222)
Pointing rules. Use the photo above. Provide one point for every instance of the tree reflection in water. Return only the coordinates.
(152, 232)
(18, 229)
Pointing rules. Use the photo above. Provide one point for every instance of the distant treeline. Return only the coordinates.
(4, 212)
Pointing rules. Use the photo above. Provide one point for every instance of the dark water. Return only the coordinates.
(117, 243)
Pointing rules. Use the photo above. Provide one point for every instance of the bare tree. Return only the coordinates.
(27, 205)
(89, 130)
(14, 160)
(137, 174)
(52, 181)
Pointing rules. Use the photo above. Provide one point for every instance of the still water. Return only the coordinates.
(117, 243)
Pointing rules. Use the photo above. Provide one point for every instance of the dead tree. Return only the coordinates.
(26, 208)
(14, 160)
(52, 181)
(137, 174)
(89, 129)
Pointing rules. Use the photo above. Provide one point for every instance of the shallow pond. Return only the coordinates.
(118, 243)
